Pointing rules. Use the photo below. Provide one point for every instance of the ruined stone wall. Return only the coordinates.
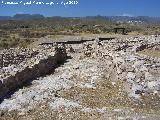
(45, 65)
(15, 56)
(139, 72)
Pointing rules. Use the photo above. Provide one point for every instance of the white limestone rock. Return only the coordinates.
(154, 85)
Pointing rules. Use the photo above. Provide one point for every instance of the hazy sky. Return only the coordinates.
(86, 8)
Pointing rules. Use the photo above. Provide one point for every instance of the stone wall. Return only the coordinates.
(140, 73)
(44, 66)
(15, 56)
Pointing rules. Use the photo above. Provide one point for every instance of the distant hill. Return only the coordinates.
(27, 17)
(22, 17)
(141, 19)
(5, 18)
(145, 19)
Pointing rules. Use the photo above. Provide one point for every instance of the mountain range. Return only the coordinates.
(22, 17)
(145, 19)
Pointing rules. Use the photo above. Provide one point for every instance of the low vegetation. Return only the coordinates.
(22, 32)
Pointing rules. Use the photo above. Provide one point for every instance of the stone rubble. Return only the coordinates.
(123, 62)
(43, 62)
(115, 60)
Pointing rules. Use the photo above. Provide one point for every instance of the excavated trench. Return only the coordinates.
(12, 83)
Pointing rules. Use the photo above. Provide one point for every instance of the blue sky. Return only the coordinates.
(87, 8)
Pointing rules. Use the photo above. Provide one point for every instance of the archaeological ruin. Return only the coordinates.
(120, 71)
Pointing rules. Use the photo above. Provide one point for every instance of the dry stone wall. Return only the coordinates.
(14, 76)
(122, 61)
(15, 56)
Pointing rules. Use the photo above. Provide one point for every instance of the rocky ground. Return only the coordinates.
(102, 80)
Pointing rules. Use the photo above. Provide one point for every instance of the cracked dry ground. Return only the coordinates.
(77, 90)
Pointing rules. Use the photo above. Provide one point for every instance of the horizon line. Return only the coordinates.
(78, 16)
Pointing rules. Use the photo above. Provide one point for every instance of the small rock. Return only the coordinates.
(131, 76)
(21, 113)
(138, 92)
(130, 69)
(153, 85)
(2, 113)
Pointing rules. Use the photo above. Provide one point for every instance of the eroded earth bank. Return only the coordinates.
(115, 79)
